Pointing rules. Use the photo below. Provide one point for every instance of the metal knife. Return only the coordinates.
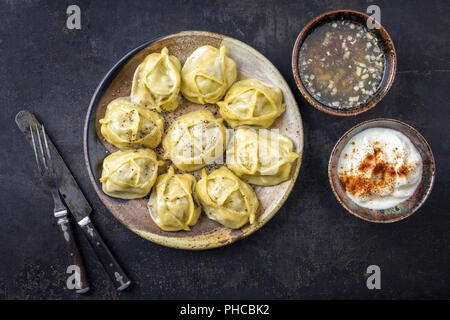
(78, 206)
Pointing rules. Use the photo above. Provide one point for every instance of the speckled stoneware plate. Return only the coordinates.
(117, 83)
(407, 207)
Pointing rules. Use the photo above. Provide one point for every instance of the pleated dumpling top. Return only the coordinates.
(129, 174)
(126, 125)
(260, 156)
(227, 199)
(172, 203)
(207, 74)
(252, 102)
(156, 82)
(194, 140)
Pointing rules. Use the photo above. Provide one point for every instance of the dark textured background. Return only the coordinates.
(311, 249)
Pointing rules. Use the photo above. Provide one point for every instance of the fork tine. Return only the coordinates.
(33, 139)
(47, 149)
(41, 149)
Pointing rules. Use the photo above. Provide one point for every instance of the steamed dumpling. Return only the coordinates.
(156, 82)
(129, 174)
(194, 140)
(172, 205)
(126, 125)
(260, 156)
(207, 75)
(252, 102)
(226, 198)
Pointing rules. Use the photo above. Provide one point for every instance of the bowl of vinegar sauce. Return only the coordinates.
(340, 65)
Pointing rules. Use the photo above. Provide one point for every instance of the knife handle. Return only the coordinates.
(73, 254)
(112, 267)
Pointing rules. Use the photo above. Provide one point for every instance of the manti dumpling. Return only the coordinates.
(207, 74)
(194, 140)
(156, 82)
(172, 204)
(227, 199)
(129, 174)
(260, 156)
(252, 102)
(126, 125)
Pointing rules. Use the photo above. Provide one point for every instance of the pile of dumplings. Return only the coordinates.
(254, 155)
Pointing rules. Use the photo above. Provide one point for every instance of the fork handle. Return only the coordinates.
(73, 254)
(112, 267)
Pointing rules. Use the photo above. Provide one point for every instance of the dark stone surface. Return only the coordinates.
(311, 249)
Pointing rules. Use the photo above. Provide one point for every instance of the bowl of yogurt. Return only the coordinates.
(381, 170)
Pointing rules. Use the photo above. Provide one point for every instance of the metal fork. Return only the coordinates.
(78, 279)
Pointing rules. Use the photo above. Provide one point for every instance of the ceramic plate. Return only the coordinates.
(117, 83)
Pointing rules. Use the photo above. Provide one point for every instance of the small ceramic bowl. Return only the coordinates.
(389, 52)
(405, 208)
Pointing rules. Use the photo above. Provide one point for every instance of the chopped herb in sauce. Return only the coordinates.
(342, 64)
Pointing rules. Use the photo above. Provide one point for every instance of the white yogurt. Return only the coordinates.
(379, 168)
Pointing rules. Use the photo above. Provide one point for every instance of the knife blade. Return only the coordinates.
(68, 187)
(78, 205)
